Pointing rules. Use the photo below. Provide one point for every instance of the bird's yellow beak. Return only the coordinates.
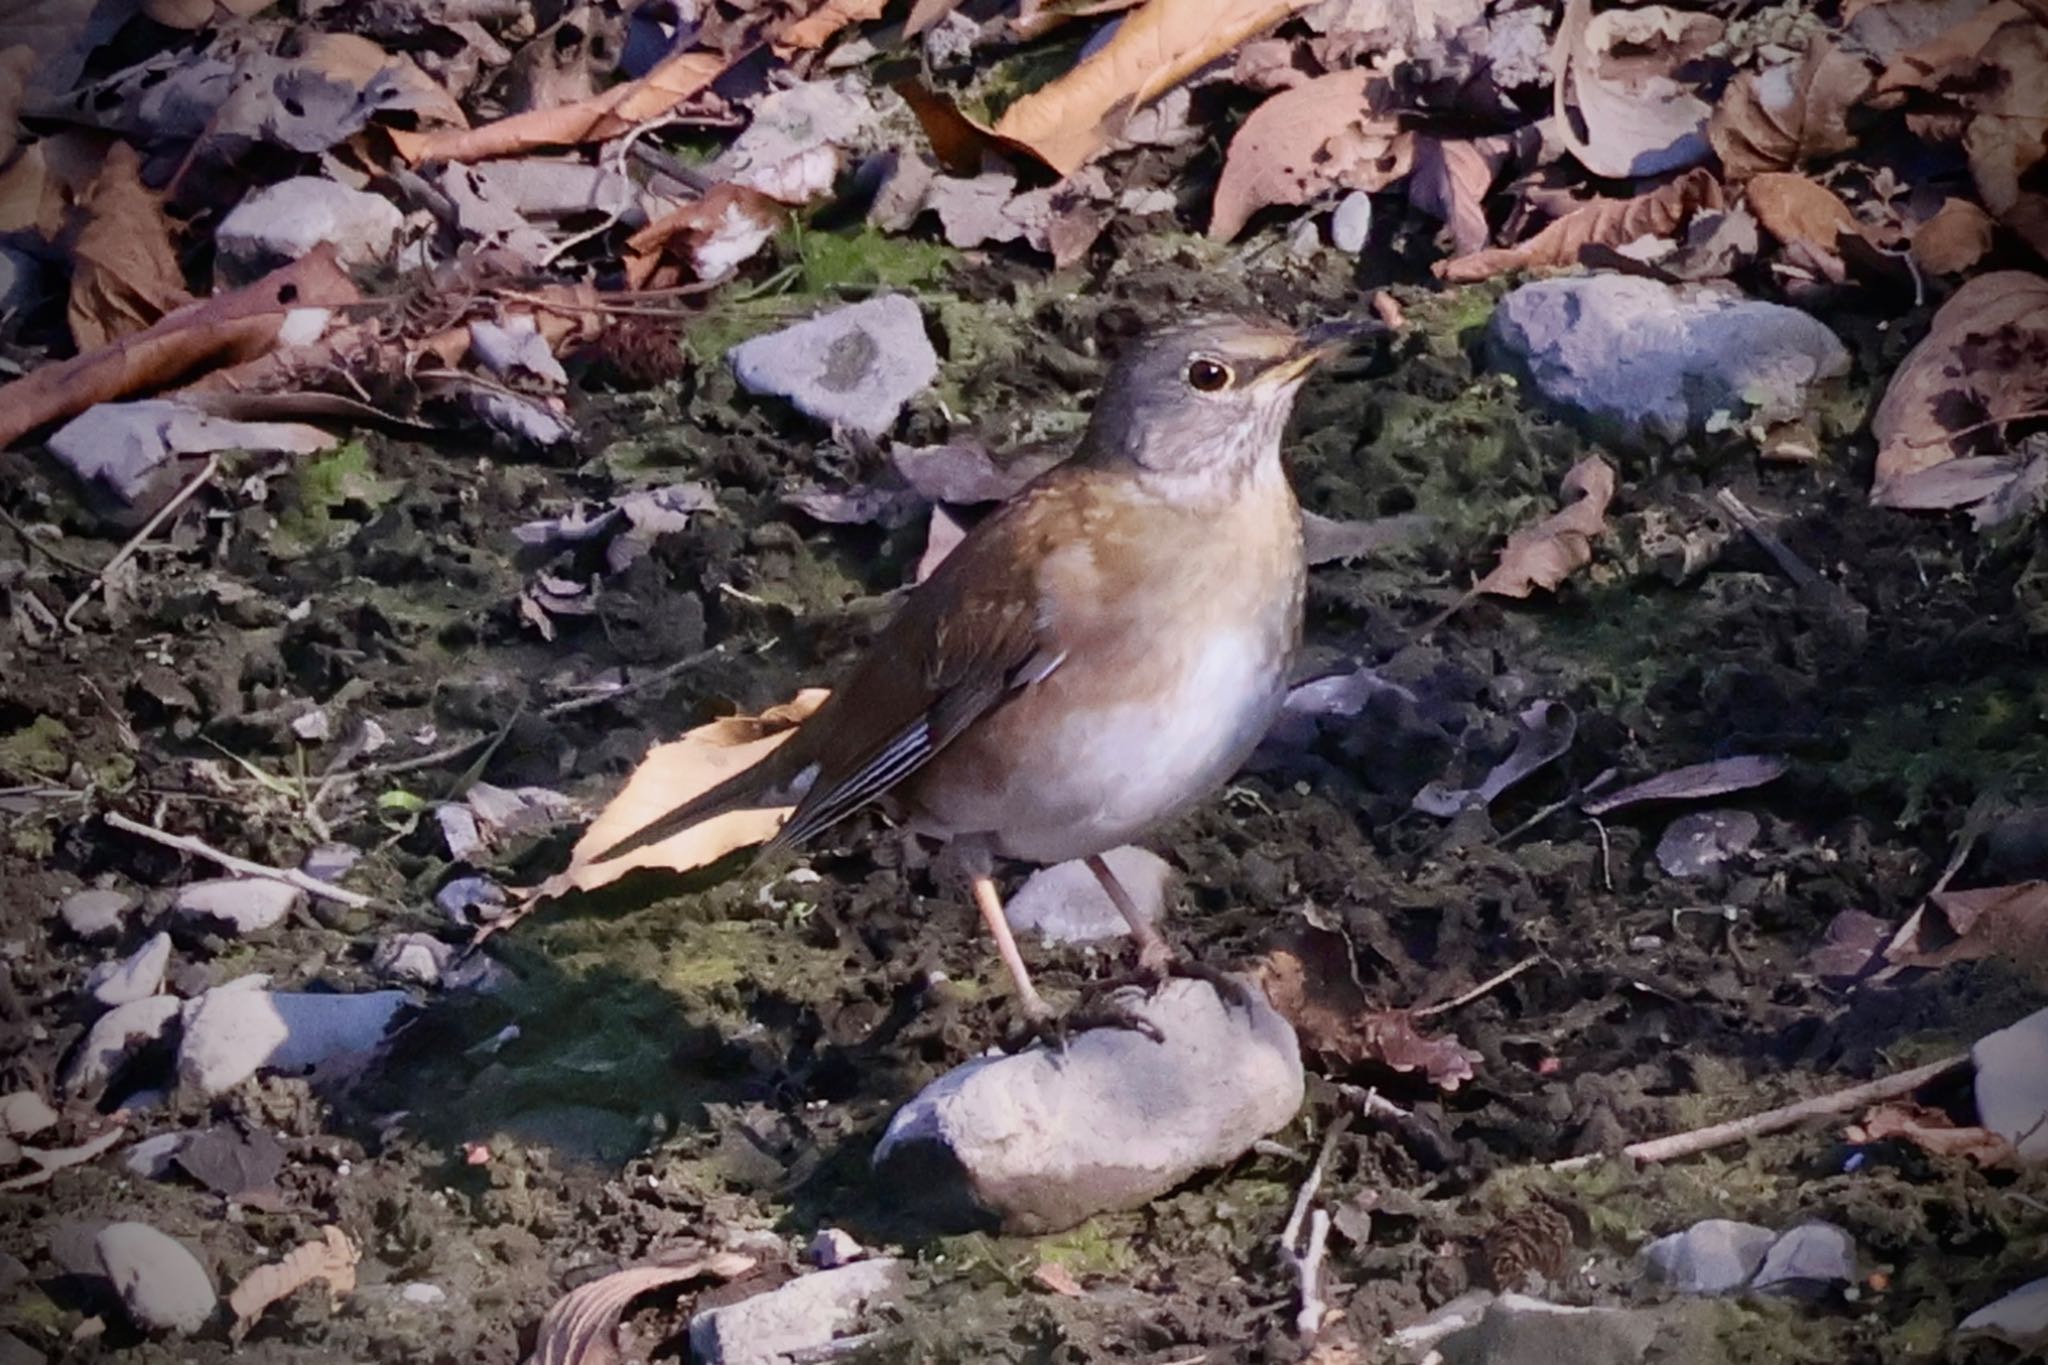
(1316, 345)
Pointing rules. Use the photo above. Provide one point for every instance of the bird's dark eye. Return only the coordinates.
(1208, 376)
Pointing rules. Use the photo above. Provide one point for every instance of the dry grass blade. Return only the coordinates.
(222, 330)
(1544, 555)
(1604, 222)
(332, 1259)
(580, 1328)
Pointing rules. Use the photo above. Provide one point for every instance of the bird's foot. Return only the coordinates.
(1155, 969)
(1042, 1024)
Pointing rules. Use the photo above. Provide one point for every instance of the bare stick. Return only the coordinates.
(1492, 983)
(185, 843)
(1308, 1262)
(1775, 1120)
(127, 552)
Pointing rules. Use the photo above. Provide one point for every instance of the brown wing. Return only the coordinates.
(970, 637)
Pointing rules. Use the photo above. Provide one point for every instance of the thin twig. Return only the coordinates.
(29, 539)
(1699, 1140)
(185, 843)
(49, 1162)
(1492, 983)
(127, 552)
(1308, 1261)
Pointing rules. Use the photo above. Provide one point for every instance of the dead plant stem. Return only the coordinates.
(185, 843)
(127, 552)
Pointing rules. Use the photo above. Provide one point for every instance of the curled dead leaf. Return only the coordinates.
(581, 1328)
(1954, 239)
(2007, 140)
(1310, 984)
(1603, 222)
(1154, 48)
(1544, 555)
(671, 774)
(1450, 181)
(818, 27)
(124, 269)
(1801, 212)
(2008, 922)
(1328, 133)
(331, 1260)
(1788, 115)
(1932, 1131)
(1983, 363)
(1620, 67)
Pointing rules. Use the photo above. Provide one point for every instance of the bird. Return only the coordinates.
(1097, 655)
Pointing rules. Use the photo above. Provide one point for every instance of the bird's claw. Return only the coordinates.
(1056, 1030)
(1151, 976)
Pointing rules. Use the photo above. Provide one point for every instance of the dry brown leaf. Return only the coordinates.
(671, 774)
(1311, 986)
(331, 1259)
(1544, 555)
(1056, 1278)
(1777, 119)
(1933, 1131)
(925, 13)
(228, 328)
(1954, 239)
(1928, 66)
(712, 234)
(191, 14)
(2007, 140)
(961, 144)
(1800, 212)
(611, 114)
(1603, 222)
(1450, 181)
(816, 29)
(124, 270)
(1983, 362)
(1328, 133)
(1157, 46)
(1618, 66)
(38, 188)
(581, 1328)
(355, 61)
(2009, 922)
(16, 64)
(1036, 18)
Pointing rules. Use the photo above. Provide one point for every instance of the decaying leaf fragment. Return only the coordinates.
(1544, 555)
(581, 1327)
(1793, 113)
(1983, 363)
(1932, 1131)
(1738, 772)
(1619, 67)
(1328, 133)
(671, 774)
(1309, 981)
(714, 234)
(2009, 922)
(124, 270)
(332, 1260)
(1604, 222)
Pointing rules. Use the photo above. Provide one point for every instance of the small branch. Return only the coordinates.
(1492, 983)
(127, 552)
(185, 843)
(30, 539)
(49, 1162)
(1775, 1120)
(1308, 1262)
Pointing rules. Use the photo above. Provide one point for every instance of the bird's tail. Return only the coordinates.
(779, 779)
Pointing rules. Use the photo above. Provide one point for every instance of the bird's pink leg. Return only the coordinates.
(990, 903)
(1154, 956)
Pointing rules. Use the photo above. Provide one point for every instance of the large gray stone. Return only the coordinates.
(1042, 1140)
(798, 1318)
(1715, 1256)
(282, 222)
(161, 1283)
(1811, 1258)
(1635, 360)
(2012, 1084)
(114, 1037)
(231, 1032)
(855, 367)
(1517, 1330)
(241, 905)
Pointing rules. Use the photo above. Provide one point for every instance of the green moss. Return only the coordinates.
(317, 490)
(1988, 736)
(1100, 1246)
(37, 749)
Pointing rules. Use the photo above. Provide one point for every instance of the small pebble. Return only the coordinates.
(330, 862)
(1810, 1258)
(114, 1037)
(423, 1295)
(239, 905)
(136, 977)
(1710, 1257)
(1351, 224)
(24, 1114)
(161, 1283)
(834, 1247)
(95, 913)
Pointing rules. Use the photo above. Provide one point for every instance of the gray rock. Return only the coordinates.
(15, 1351)
(1813, 1257)
(855, 367)
(801, 1316)
(22, 280)
(129, 447)
(1517, 1330)
(136, 977)
(1697, 844)
(1710, 1257)
(231, 1034)
(2012, 1084)
(470, 901)
(330, 862)
(2019, 1319)
(832, 1248)
(1351, 224)
(1636, 360)
(24, 1113)
(1041, 1141)
(161, 1283)
(283, 222)
(1065, 904)
(95, 913)
(114, 1037)
(154, 1158)
(239, 905)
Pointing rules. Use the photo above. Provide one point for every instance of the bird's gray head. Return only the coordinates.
(1199, 408)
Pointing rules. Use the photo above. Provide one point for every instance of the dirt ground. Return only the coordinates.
(663, 1069)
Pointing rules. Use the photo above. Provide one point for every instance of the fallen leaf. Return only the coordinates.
(236, 326)
(1983, 362)
(1932, 1131)
(1604, 222)
(331, 1260)
(237, 1166)
(1618, 66)
(1952, 49)
(582, 1326)
(16, 65)
(1954, 239)
(1328, 133)
(2009, 922)
(1689, 783)
(1310, 984)
(1154, 48)
(1544, 555)
(817, 28)
(1544, 733)
(1853, 941)
(1790, 114)
(614, 113)
(1801, 212)
(193, 14)
(671, 774)
(715, 234)
(1056, 1278)
(1450, 181)
(1995, 489)
(2007, 140)
(124, 269)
